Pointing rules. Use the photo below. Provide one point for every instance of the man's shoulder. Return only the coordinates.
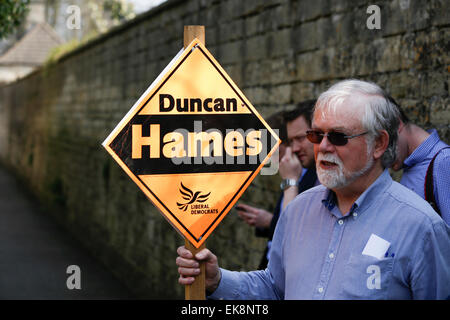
(312, 196)
(441, 168)
(428, 149)
(442, 155)
(440, 150)
(409, 205)
(317, 191)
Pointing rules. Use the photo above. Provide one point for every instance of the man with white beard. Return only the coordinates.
(359, 235)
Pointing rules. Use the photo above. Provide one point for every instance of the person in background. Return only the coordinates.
(425, 160)
(296, 168)
(359, 235)
(257, 217)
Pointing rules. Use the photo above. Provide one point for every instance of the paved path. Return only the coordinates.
(35, 254)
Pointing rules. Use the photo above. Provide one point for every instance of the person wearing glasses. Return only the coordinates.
(296, 168)
(359, 235)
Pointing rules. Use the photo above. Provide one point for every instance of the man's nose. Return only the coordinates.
(295, 146)
(326, 146)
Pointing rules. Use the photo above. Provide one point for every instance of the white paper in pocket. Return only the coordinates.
(376, 247)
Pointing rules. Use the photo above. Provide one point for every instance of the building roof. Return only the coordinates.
(33, 48)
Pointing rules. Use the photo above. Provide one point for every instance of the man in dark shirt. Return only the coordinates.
(296, 168)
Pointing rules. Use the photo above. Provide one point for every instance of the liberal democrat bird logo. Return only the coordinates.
(191, 197)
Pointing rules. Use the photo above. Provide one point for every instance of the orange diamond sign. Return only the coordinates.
(192, 143)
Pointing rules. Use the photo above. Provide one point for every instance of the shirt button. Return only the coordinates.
(341, 222)
(331, 255)
(320, 289)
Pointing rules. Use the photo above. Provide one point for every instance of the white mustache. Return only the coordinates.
(330, 158)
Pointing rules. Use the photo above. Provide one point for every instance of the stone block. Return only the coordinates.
(285, 15)
(230, 10)
(418, 14)
(281, 70)
(252, 74)
(302, 91)
(268, 20)
(388, 54)
(231, 31)
(230, 52)
(251, 26)
(252, 7)
(342, 28)
(257, 95)
(439, 11)
(403, 84)
(394, 18)
(255, 48)
(435, 83)
(305, 37)
(280, 94)
(439, 111)
(235, 73)
(280, 43)
(316, 65)
(311, 10)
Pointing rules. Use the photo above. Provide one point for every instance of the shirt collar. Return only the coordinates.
(365, 200)
(423, 150)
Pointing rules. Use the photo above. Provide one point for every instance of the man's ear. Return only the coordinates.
(381, 144)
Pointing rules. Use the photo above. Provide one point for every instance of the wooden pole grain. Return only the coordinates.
(195, 291)
(192, 32)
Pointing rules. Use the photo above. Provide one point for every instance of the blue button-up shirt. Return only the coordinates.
(391, 245)
(269, 243)
(415, 168)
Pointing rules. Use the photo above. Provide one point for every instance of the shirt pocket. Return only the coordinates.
(367, 277)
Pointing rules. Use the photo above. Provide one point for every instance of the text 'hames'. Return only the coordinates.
(182, 143)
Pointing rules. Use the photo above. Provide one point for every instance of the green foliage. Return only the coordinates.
(12, 13)
(119, 10)
(109, 13)
(57, 52)
(63, 49)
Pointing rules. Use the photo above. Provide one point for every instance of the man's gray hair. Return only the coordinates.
(379, 112)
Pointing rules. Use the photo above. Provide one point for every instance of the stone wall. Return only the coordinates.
(279, 52)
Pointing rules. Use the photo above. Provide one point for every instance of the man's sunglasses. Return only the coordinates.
(335, 138)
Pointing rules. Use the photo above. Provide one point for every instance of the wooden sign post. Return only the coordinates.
(195, 291)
